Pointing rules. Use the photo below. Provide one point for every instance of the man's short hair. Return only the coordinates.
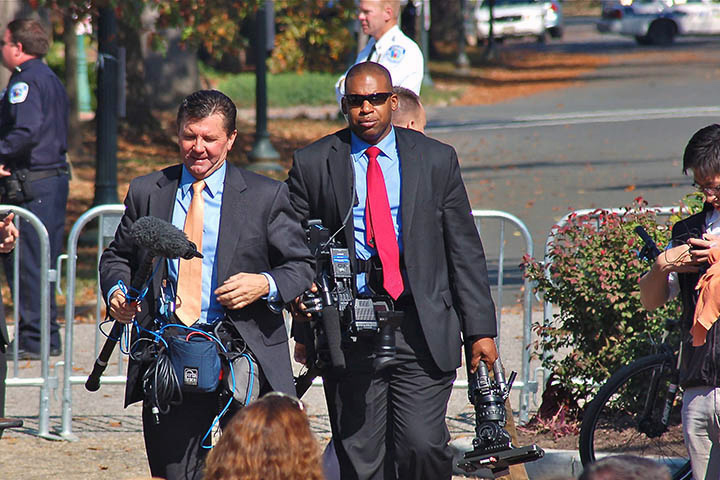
(31, 34)
(367, 68)
(408, 105)
(395, 5)
(627, 467)
(203, 103)
(702, 153)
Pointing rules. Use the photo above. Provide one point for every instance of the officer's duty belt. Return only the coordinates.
(34, 175)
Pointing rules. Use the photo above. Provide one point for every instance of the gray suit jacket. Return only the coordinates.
(258, 233)
(443, 253)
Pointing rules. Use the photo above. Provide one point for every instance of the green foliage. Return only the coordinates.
(284, 89)
(592, 277)
(312, 35)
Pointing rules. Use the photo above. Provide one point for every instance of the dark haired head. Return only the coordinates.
(369, 68)
(31, 35)
(702, 153)
(203, 103)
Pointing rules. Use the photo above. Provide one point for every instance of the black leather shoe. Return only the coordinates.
(10, 423)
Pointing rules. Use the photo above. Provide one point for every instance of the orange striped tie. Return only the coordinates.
(188, 301)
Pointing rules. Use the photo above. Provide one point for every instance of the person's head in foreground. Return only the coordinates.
(269, 439)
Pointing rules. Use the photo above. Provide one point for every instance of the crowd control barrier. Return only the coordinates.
(45, 381)
(593, 214)
(109, 218)
(524, 384)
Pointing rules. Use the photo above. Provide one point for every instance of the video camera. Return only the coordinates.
(493, 451)
(345, 317)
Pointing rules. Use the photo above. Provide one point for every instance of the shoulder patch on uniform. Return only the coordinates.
(19, 92)
(395, 53)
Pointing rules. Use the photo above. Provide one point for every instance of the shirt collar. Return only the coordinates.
(358, 145)
(387, 40)
(213, 183)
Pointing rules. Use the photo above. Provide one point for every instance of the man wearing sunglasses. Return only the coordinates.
(388, 46)
(390, 422)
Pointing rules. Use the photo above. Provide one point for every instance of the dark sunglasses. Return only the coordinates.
(376, 99)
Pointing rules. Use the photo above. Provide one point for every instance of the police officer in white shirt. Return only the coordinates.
(389, 46)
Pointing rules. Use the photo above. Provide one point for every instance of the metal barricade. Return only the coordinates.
(525, 384)
(109, 218)
(47, 275)
(593, 213)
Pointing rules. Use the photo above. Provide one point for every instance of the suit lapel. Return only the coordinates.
(341, 175)
(410, 171)
(160, 205)
(232, 218)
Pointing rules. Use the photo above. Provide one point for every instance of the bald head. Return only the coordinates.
(373, 69)
(410, 112)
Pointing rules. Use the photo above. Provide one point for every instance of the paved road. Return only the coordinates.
(618, 134)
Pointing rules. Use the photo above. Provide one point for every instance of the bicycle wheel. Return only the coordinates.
(625, 417)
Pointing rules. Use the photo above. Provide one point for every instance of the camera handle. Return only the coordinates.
(331, 324)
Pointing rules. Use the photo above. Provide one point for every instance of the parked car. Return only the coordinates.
(658, 22)
(520, 18)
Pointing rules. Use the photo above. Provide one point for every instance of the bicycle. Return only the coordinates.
(635, 411)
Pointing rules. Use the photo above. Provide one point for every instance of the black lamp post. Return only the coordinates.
(263, 154)
(490, 52)
(107, 110)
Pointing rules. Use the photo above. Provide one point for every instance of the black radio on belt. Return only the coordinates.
(15, 188)
(342, 316)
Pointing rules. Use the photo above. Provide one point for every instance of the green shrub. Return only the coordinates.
(592, 277)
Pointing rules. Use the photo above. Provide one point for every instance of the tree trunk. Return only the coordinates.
(139, 117)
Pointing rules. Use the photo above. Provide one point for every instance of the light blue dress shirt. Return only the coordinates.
(211, 310)
(389, 161)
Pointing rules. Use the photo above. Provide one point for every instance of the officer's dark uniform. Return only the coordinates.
(34, 113)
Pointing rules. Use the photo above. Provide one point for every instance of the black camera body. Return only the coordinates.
(493, 451)
(341, 316)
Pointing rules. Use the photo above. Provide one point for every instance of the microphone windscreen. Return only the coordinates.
(162, 238)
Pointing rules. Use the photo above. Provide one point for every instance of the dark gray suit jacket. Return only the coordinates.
(258, 233)
(443, 253)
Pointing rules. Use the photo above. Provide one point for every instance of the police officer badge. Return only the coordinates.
(396, 53)
(18, 92)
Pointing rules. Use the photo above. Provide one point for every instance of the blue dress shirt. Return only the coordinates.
(389, 161)
(211, 310)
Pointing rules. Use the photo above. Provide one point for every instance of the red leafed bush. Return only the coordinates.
(592, 276)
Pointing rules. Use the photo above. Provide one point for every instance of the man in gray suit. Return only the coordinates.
(255, 257)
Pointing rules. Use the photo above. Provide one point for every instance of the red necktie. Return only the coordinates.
(379, 230)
